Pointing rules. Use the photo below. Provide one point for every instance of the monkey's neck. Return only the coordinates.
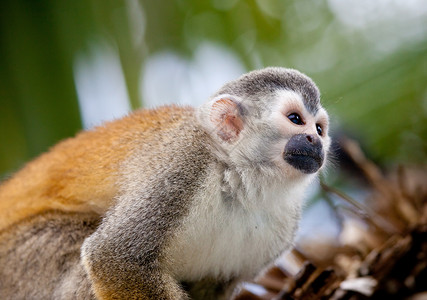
(256, 189)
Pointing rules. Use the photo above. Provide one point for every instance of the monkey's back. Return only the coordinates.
(81, 174)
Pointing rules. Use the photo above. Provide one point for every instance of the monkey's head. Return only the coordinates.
(270, 119)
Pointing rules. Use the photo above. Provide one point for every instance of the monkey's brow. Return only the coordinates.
(312, 109)
(309, 99)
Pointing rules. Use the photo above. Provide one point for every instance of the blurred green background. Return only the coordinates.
(65, 65)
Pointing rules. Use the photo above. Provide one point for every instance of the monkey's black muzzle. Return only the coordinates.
(304, 152)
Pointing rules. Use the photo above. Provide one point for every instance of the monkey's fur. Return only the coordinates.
(168, 203)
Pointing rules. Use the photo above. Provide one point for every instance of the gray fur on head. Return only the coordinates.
(256, 84)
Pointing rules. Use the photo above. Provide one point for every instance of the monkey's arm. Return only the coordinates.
(124, 256)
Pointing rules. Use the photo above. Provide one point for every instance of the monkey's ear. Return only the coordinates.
(226, 117)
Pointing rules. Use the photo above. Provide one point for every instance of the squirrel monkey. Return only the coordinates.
(170, 203)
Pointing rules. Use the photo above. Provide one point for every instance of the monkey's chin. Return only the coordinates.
(304, 163)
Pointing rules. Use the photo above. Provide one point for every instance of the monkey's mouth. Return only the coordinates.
(305, 162)
(304, 153)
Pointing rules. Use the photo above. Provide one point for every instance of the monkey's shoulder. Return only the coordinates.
(82, 173)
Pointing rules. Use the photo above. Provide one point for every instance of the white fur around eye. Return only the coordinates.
(286, 103)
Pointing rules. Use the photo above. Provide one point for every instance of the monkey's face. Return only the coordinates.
(303, 133)
(278, 132)
(271, 120)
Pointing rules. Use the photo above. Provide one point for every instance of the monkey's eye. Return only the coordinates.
(295, 118)
(319, 129)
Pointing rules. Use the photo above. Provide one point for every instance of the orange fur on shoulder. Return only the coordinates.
(81, 174)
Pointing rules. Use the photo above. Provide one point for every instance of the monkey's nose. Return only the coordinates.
(310, 138)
